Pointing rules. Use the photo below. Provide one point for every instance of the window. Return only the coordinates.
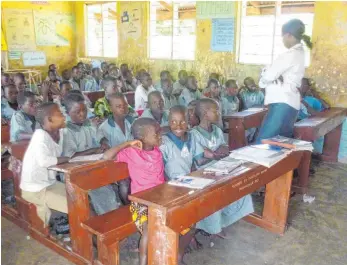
(261, 28)
(102, 38)
(172, 30)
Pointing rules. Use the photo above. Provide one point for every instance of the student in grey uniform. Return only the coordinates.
(169, 99)
(231, 102)
(215, 91)
(9, 104)
(210, 145)
(156, 110)
(116, 129)
(164, 76)
(23, 123)
(79, 138)
(181, 83)
(190, 93)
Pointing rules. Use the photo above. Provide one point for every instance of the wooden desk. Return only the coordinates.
(328, 124)
(239, 122)
(172, 209)
(5, 133)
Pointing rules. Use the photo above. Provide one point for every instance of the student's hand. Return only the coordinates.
(222, 150)
(208, 153)
(135, 143)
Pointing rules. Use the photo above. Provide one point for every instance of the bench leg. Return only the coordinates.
(108, 254)
(303, 172)
(332, 144)
(237, 134)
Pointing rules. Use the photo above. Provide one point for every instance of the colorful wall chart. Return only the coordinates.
(53, 29)
(223, 32)
(215, 9)
(130, 22)
(19, 29)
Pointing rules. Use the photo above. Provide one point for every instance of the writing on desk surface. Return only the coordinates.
(249, 181)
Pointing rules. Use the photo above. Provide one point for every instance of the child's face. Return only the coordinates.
(11, 93)
(178, 124)
(111, 89)
(146, 81)
(215, 90)
(119, 107)
(232, 90)
(212, 113)
(66, 75)
(53, 67)
(76, 73)
(53, 76)
(97, 73)
(65, 89)
(124, 68)
(129, 76)
(20, 84)
(104, 67)
(192, 83)
(5, 80)
(78, 113)
(156, 104)
(167, 86)
(164, 77)
(305, 87)
(183, 78)
(30, 105)
(114, 71)
(250, 84)
(152, 135)
(192, 118)
(56, 120)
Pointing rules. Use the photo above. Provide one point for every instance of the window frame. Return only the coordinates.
(86, 4)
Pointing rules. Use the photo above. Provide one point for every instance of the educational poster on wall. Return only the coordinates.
(34, 58)
(19, 27)
(215, 9)
(14, 55)
(53, 29)
(223, 32)
(130, 24)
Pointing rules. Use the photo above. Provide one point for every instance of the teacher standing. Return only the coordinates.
(281, 81)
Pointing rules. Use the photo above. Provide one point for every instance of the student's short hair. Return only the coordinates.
(139, 125)
(214, 75)
(193, 103)
(144, 75)
(164, 72)
(153, 94)
(181, 72)
(306, 80)
(248, 79)
(178, 108)
(202, 105)
(111, 65)
(49, 66)
(103, 63)
(213, 81)
(107, 81)
(117, 95)
(43, 111)
(94, 69)
(230, 83)
(72, 98)
(24, 96)
(19, 75)
(79, 63)
(123, 65)
(65, 83)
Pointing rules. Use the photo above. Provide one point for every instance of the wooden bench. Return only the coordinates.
(5, 133)
(172, 209)
(110, 228)
(95, 95)
(328, 124)
(239, 122)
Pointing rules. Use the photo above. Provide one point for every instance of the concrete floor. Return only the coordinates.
(317, 234)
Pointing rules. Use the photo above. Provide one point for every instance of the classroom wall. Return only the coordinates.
(329, 38)
(64, 57)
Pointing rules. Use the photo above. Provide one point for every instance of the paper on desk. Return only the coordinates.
(246, 112)
(86, 158)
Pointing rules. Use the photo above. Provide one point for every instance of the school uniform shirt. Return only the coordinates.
(110, 130)
(42, 153)
(291, 65)
(157, 86)
(177, 155)
(89, 84)
(141, 97)
(187, 96)
(251, 98)
(74, 85)
(7, 109)
(169, 101)
(78, 138)
(230, 105)
(130, 86)
(164, 119)
(314, 103)
(235, 211)
(146, 168)
(178, 88)
(22, 123)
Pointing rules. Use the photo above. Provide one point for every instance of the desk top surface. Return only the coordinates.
(246, 114)
(321, 117)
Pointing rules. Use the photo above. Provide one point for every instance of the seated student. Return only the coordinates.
(129, 82)
(97, 75)
(53, 67)
(19, 82)
(193, 119)
(77, 76)
(215, 93)
(210, 145)
(206, 92)
(155, 109)
(23, 122)
(311, 102)
(113, 71)
(139, 75)
(66, 76)
(142, 91)
(50, 90)
(116, 129)
(231, 102)
(5, 80)
(53, 77)
(81, 66)
(146, 170)
(164, 76)
(191, 92)
(38, 184)
(61, 103)
(123, 69)
(181, 83)
(9, 104)
(169, 99)
(104, 69)
(250, 95)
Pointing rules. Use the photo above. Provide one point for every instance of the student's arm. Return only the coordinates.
(310, 110)
(221, 152)
(207, 156)
(111, 154)
(45, 158)
(317, 96)
(278, 67)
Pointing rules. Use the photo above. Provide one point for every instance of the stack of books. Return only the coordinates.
(261, 154)
(289, 143)
(223, 166)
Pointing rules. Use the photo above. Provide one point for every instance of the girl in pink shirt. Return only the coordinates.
(146, 170)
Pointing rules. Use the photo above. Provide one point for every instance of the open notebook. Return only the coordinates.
(191, 182)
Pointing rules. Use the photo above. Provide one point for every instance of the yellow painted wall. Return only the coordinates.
(328, 63)
(63, 57)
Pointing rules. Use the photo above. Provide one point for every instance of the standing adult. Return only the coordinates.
(281, 81)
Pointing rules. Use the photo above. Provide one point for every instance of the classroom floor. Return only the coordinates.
(316, 236)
